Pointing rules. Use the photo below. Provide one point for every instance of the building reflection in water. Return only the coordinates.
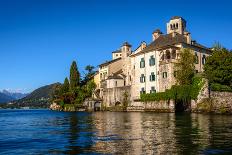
(146, 133)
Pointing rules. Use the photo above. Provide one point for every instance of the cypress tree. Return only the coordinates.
(65, 87)
(74, 76)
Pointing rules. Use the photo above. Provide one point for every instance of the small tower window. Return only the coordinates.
(168, 55)
(173, 54)
(177, 25)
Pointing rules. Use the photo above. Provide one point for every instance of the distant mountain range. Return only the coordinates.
(39, 98)
(6, 96)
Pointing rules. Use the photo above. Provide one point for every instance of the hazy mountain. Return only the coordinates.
(14, 95)
(39, 97)
(5, 98)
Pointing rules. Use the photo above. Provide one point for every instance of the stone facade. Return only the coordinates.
(156, 106)
(113, 96)
(149, 68)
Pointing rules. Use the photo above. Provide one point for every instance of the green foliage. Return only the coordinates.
(185, 67)
(65, 86)
(90, 86)
(72, 94)
(218, 69)
(177, 92)
(219, 87)
(88, 75)
(125, 99)
(74, 76)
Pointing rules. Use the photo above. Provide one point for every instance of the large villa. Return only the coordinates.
(149, 68)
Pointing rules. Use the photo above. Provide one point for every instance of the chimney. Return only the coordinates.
(143, 45)
(188, 37)
(156, 34)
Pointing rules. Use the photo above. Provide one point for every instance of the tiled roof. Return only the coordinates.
(114, 76)
(117, 51)
(109, 62)
(165, 40)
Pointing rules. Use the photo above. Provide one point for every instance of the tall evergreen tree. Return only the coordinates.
(65, 86)
(74, 76)
(185, 67)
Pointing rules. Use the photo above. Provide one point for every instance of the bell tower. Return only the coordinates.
(176, 24)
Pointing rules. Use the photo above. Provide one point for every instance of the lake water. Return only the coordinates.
(51, 132)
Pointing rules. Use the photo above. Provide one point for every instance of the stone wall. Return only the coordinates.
(111, 96)
(215, 102)
(156, 106)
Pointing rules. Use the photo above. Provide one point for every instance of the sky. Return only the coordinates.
(39, 39)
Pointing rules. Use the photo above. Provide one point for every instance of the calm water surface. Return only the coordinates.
(50, 132)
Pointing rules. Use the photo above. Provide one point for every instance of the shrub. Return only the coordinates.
(221, 88)
(177, 92)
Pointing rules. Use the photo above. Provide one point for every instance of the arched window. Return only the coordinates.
(177, 25)
(171, 26)
(196, 58)
(168, 54)
(173, 54)
(203, 59)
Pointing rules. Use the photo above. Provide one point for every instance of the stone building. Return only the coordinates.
(149, 68)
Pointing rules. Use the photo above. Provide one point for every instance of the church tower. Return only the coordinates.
(126, 65)
(176, 24)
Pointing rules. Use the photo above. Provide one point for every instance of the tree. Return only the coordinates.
(218, 67)
(89, 68)
(185, 67)
(65, 86)
(74, 76)
(90, 86)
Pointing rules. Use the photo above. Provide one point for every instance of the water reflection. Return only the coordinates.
(48, 132)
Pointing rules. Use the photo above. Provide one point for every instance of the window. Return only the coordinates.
(196, 71)
(152, 90)
(124, 82)
(142, 91)
(168, 55)
(142, 63)
(142, 78)
(203, 59)
(165, 75)
(100, 75)
(196, 58)
(116, 55)
(173, 54)
(152, 61)
(176, 25)
(152, 76)
(116, 83)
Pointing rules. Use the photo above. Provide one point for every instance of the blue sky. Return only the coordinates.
(40, 38)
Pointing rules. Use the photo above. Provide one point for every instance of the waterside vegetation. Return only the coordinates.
(72, 93)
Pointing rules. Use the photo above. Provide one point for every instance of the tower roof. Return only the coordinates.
(178, 17)
(157, 31)
(126, 44)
